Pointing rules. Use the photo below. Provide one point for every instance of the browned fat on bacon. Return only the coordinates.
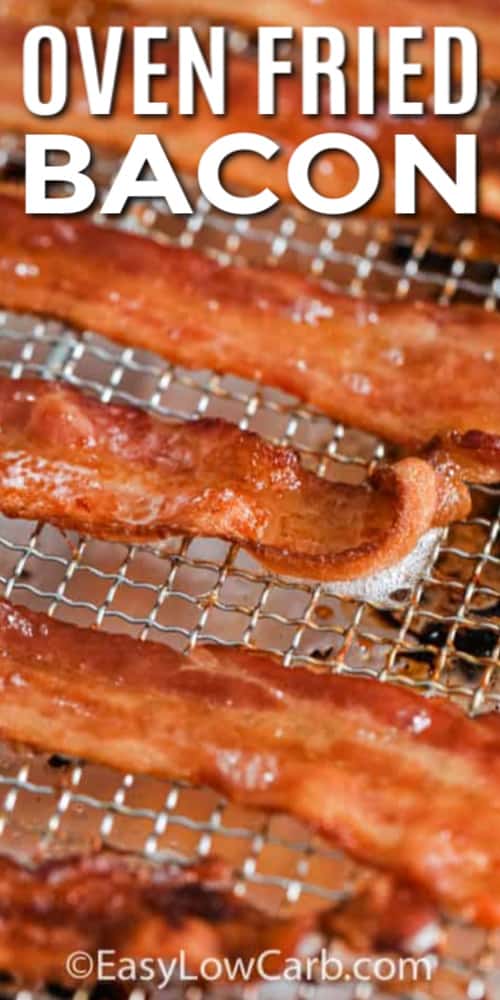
(186, 138)
(116, 473)
(405, 371)
(133, 910)
(409, 784)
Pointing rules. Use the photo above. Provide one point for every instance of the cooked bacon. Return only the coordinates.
(475, 455)
(116, 473)
(186, 138)
(383, 916)
(481, 17)
(404, 371)
(135, 910)
(408, 784)
(107, 902)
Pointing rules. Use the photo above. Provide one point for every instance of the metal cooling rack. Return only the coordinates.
(445, 637)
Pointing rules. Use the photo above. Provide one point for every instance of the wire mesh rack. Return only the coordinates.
(443, 637)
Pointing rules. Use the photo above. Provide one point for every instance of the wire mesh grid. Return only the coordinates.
(444, 637)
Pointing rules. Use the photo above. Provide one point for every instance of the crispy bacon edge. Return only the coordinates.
(117, 473)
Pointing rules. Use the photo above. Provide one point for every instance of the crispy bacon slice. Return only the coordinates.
(186, 138)
(405, 371)
(116, 473)
(106, 901)
(408, 784)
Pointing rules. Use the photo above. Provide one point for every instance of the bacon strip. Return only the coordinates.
(135, 910)
(116, 473)
(186, 138)
(481, 17)
(408, 784)
(404, 371)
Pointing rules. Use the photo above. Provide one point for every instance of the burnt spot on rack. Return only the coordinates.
(476, 641)
(492, 611)
(401, 250)
(58, 762)
(435, 635)
(103, 991)
(323, 655)
(61, 992)
(436, 264)
(479, 643)
(13, 170)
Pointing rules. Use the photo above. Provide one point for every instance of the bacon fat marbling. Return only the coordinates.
(409, 784)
